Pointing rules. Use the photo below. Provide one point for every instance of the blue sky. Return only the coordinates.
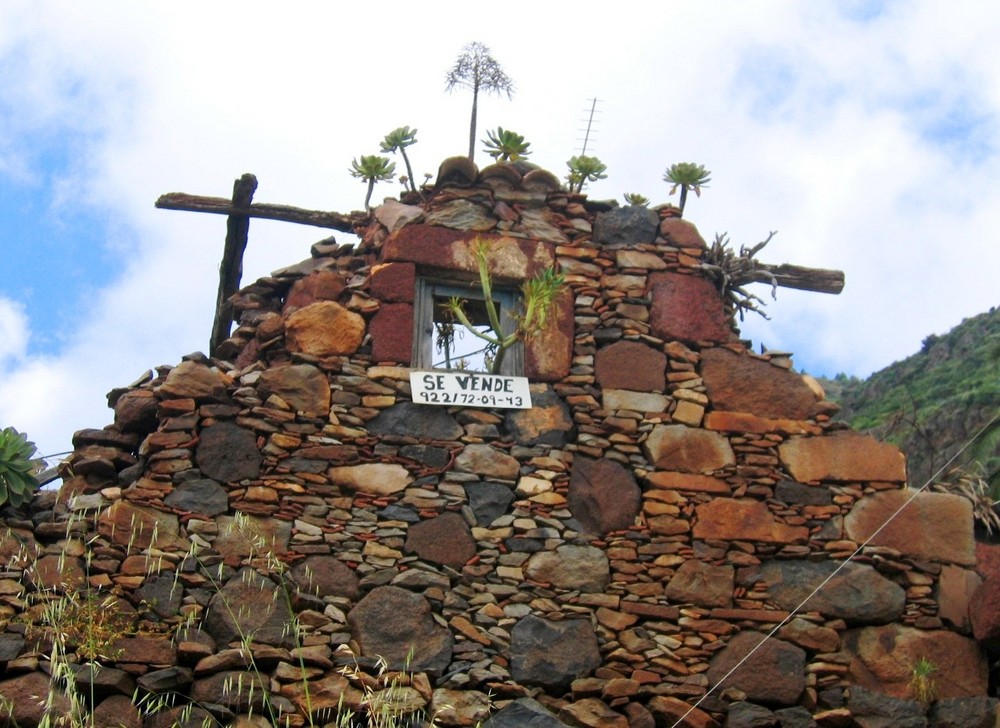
(865, 133)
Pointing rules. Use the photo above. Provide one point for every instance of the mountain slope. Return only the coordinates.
(933, 402)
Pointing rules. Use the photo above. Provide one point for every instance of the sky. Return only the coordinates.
(865, 133)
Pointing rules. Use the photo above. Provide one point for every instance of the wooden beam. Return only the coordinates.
(819, 280)
(282, 213)
(231, 267)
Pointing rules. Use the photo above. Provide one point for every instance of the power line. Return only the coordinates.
(840, 566)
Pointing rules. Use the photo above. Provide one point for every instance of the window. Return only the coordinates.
(443, 343)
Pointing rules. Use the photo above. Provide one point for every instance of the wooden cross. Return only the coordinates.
(239, 211)
(730, 270)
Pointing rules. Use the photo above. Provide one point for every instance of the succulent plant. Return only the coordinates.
(398, 140)
(583, 169)
(17, 480)
(505, 145)
(372, 168)
(687, 176)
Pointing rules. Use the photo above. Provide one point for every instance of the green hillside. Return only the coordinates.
(932, 403)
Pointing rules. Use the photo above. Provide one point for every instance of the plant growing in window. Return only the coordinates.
(372, 168)
(583, 169)
(476, 70)
(17, 469)
(538, 296)
(687, 176)
(399, 139)
(505, 145)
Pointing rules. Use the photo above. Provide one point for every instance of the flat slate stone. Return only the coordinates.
(488, 501)
(202, 496)
(629, 225)
(408, 419)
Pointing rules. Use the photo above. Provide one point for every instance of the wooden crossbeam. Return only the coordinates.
(818, 280)
(282, 213)
(239, 210)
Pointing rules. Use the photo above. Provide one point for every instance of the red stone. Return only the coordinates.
(681, 233)
(548, 354)
(630, 365)
(987, 559)
(688, 308)
(744, 519)
(393, 282)
(745, 422)
(324, 328)
(883, 659)
(942, 520)
(443, 540)
(742, 383)
(323, 285)
(844, 456)
(444, 248)
(392, 333)
(670, 711)
(688, 449)
(984, 612)
(687, 481)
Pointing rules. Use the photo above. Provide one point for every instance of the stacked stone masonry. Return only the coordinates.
(601, 559)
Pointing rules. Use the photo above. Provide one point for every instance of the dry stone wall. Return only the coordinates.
(601, 559)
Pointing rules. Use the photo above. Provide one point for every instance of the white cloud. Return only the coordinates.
(13, 330)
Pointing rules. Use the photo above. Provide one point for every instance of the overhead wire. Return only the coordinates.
(917, 491)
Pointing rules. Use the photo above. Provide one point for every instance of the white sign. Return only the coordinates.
(470, 389)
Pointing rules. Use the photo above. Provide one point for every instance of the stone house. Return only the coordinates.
(604, 557)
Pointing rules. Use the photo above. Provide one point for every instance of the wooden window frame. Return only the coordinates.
(435, 287)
